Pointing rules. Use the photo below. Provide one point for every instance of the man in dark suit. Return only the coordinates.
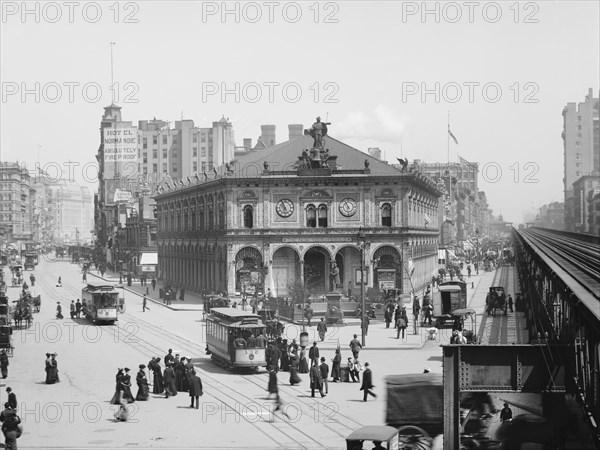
(169, 358)
(195, 388)
(316, 381)
(367, 383)
(324, 374)
(12, 398)
(313, 354)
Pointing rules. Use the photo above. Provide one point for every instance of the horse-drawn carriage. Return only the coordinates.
(495, 299)
(6, 339)
(23, 310)
(17, 275)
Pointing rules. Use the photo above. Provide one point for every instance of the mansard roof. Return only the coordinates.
(283, 157)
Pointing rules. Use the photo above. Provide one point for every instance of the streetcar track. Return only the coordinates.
(143, 348)
(250, 378)
(200, 349)
(288, 436)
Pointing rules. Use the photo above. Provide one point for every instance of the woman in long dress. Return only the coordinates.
(169, 381)
(336, 369)
(48, 369)
(285, 357)
(116, 398)
(303, 365)
(179, 367)
(126, 387)
(142, 382)
(53, 373)
(294, 378)
(158, 378)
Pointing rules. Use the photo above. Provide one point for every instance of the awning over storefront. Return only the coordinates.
(149, 258)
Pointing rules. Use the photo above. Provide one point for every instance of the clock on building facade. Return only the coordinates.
(284, 208)
(348, 207)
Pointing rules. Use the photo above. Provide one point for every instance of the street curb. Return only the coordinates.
(157, 302)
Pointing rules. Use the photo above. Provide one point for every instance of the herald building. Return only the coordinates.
(285, 214)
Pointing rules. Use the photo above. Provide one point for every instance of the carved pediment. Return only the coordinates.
(247, 195)
(386, 193)
(317, 193)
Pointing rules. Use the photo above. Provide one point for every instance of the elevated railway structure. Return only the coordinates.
(559, 273)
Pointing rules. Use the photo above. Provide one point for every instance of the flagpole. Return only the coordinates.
(448, 141)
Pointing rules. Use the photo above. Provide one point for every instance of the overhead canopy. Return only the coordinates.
(149, 258)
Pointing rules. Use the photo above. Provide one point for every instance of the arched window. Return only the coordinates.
(323, 216)
(248, 216)
(201, 218)
(311, 216)
(221, 218)
(386, 215)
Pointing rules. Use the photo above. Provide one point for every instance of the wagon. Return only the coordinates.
(6, 339)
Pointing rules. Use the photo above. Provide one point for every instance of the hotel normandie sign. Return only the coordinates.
(315, 239)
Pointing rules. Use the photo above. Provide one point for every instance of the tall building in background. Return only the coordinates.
(581, 140)
(73, 211)
(17, 201)
(461, 201)
(180, 152)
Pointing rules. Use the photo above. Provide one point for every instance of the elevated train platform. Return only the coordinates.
(559, 275)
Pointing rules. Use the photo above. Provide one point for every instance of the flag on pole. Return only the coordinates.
(452, 136)
(464, 161)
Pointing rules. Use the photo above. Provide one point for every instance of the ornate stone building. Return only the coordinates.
(286, 213)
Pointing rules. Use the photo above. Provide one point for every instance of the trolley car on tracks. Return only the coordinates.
(233, 338)
(100, 302)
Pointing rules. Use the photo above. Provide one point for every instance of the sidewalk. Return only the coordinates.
(193, 301)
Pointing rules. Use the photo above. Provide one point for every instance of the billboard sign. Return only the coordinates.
(120, 144)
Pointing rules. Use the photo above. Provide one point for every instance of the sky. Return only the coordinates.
(387, 74)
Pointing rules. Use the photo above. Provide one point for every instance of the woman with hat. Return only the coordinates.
(127, 396)
(116, 398)
(157, 385)
(294, 378)
(169, 381)
(142, 382)
(48, 369)
(59, 311)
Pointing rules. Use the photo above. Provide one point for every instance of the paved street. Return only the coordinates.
(88, 357)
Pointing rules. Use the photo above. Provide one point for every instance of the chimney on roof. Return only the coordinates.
(247, 144)
(267, 135)
(375, 152)
(295, 130)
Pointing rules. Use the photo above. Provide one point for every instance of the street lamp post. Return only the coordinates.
(360, 237)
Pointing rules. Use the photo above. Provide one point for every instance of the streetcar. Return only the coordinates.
(101, 302)
(450, 296)
(229, 341)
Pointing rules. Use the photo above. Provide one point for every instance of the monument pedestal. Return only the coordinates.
(333, 315)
